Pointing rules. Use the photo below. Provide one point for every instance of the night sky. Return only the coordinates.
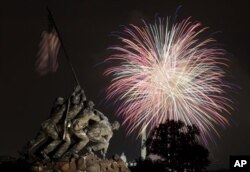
(86, 26)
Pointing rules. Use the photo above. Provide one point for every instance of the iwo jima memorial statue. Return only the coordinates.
(70, 138)
(76, 136)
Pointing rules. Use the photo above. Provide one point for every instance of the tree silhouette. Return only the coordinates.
(176, 147)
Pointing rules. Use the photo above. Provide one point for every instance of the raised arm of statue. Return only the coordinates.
(95, 118)
(101, 115)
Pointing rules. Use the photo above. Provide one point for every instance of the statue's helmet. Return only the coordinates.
(115, 125)
(83, 96)
(59, 101)
(77, 89)
(90, 104)
(75, 99)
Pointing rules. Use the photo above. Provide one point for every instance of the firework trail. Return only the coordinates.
(166, 71)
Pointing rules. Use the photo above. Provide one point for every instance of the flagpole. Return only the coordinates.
(62, 45)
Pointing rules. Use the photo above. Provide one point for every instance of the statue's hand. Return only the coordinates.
(103, 153)
(68, 124)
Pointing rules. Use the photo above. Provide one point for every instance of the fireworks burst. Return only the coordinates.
(166, 71)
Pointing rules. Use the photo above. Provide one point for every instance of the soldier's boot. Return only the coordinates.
(71, 154)
(101, 147)
(103, 153)
(45, 156)
(52, 146)
(77, 148)
(56, 157)
(90, 150)
(75, 154)
(62, 150)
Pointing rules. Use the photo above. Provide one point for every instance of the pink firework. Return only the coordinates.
(165, 72)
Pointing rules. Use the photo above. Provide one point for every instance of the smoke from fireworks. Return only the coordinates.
(166, 71)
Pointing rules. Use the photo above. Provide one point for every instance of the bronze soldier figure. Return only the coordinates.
(81, 123)
(49, 128)
(75, 105)
(80, 126)
(101, 133)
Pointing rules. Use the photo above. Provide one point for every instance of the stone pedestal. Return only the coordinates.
(87, 163)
